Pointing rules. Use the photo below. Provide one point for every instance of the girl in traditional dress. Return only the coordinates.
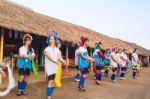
(83, 61)
(98, 56)
(26, 54)
(114, 63)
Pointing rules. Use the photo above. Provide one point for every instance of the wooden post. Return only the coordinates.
(1, 79)
(148, 61)
(1, 49)
(1, 44)
(12, 63)
(67, 54)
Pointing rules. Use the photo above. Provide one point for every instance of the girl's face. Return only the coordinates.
(59, 45)
(3, 65)
(108, 51)
(86, 43)
(52, 40)
(100, 45)
(137, 51)
(125, 51)
(28, 42)
(116, 50)
(120, 51)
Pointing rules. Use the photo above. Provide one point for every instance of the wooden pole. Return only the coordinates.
(1, 44)
(148, 61)
(1, 49)
(12, 63)
(67, 54)
(1, 79)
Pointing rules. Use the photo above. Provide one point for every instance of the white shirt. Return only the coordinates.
(23, 51)
(82, 50)
(51, 67)
(113, 63)
(123, 62)
(96, 51)
(135, 59)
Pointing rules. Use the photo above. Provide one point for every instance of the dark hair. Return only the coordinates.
(135, 49)
(49, 39)
(30, 47)
(108, 49)
(83, 40)
(124, 50)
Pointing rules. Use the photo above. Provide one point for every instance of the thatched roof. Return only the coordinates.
(16, 17)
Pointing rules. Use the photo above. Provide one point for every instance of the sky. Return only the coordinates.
(128, 20)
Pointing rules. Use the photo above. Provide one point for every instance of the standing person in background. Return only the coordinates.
(83, 61)
(114, 63)
(124, 60)
(98, 56)
(26, 54)
(64, 66)
(58, 44)
(107, 62)
(135, 62)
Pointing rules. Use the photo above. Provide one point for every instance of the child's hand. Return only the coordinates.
(23, 56)
(91, 60)
(64, 62)
(30, 58)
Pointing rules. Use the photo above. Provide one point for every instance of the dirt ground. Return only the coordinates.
(127, 89)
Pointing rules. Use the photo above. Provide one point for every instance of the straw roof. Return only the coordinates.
(23, 19)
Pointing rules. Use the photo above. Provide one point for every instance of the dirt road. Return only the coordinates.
(126, 89)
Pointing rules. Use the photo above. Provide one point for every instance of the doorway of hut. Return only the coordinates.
(11, 43)
(13, 40)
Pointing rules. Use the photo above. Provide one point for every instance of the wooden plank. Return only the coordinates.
(1, 49)
(67, 52)
(67, 55)
(1, 79)
(148, 61)
(1, 44)
(12, 64)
